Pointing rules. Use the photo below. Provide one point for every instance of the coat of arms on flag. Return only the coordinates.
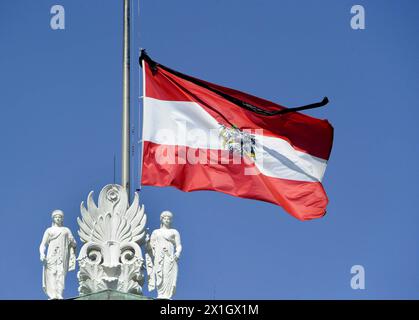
(238, 141)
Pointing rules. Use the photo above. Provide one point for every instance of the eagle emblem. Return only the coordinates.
(238, 141)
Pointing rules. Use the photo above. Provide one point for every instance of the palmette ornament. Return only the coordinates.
(112, 232)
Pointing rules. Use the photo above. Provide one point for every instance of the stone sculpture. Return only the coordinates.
(163, 251)
(112, 233)
(60, 256)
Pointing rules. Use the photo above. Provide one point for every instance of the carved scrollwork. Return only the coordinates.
(95, 257)
(112, 233)
(128, 255)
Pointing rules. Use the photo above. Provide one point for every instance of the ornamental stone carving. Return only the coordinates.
(112, 233)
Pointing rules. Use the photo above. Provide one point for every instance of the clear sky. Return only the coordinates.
(60, 127)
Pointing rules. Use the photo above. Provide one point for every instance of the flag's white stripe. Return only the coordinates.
(186, 123)
(281, 160)
(179, 123)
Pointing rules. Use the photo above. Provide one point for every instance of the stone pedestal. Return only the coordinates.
(111, 295)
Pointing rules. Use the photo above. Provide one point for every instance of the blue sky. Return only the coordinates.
(61, 120)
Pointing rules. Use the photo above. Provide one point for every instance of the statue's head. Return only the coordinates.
(57, 217)
(166, 219)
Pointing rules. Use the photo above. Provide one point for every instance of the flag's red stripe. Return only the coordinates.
(303, 200)
(305, 133)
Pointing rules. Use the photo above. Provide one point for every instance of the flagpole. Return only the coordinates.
(142, 133)
(125, 176)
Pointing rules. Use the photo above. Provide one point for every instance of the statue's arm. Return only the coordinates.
(43, 245)
(153, 240)
(73, 242)
(147, 244)
(178, 244)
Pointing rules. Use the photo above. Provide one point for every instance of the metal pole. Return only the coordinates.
(125, 177)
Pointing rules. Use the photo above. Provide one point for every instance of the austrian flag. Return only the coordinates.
(201, 136)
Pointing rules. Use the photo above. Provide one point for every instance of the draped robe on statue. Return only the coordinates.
(60, 259)
(165, 267)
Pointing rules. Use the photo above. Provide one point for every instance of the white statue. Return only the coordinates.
(60, 257)
(164, 248)
(112, 233)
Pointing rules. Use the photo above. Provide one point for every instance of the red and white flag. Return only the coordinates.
(201, 136)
